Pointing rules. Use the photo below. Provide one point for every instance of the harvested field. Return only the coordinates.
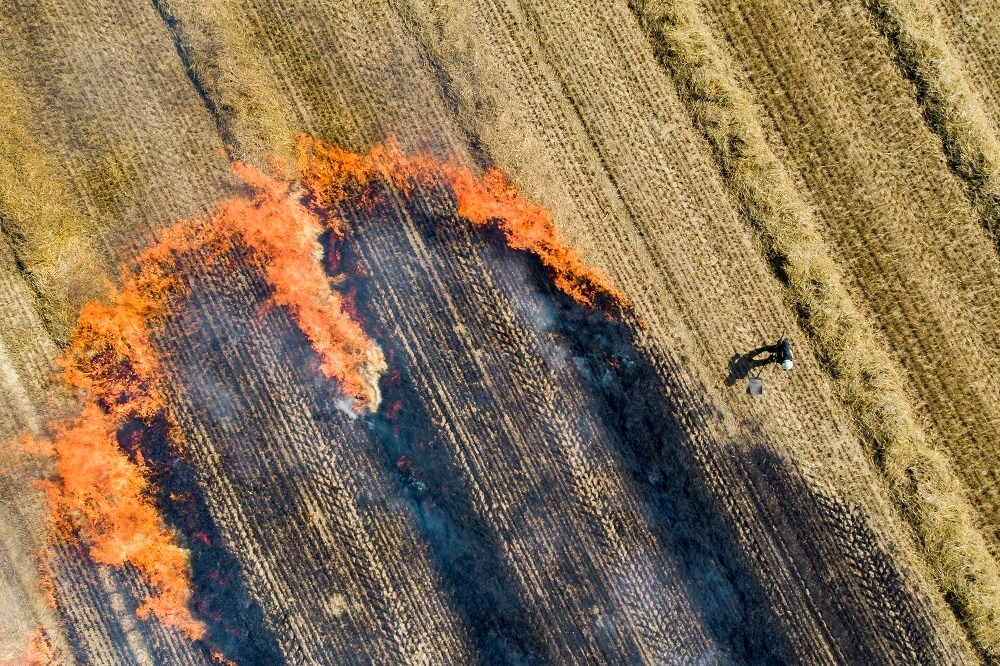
(973, 29)
(952, 107)
(542, 473)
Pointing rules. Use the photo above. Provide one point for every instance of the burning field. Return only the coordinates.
(410, 332)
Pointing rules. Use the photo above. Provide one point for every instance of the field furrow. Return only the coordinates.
(322, 552)
(951, 105)
(972, 28)
(868, 378)
(530, 165)
(924, 268)
(543, 482)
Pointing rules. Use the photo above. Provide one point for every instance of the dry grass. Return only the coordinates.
(867, 378)
(260, 88)
(239, 81)
(46, 230)
(912, 250)
(952, 109)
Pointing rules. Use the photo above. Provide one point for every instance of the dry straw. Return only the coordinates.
(235, 78)
(949, 104)
(867, 378)
(37, 216)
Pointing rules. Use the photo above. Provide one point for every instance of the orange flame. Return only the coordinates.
(45, 578)
(104, 495)
(112, 365)
(220, 658)
(101, 492)
(286, 235)
(40, 650)
(334, 176)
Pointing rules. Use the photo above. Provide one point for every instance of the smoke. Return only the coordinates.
(101, 493)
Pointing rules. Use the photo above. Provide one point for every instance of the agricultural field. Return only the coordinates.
(418, 331)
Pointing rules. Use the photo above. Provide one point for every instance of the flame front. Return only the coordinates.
(40, 651)
(103, 495)
(334, 176)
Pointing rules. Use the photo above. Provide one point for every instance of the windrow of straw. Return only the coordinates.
(252, 112)
(100, 493)
(46, 230)
(867, 378)
(952, 109)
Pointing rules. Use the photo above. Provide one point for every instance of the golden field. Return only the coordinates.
(542, 482)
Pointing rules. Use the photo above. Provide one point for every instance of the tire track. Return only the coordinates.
(170, 22)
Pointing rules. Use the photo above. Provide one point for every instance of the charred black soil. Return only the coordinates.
(500, 390)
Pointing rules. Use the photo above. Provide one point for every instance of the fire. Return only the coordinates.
(220, 658)
(106, 496)
(285, 234)
(40, 651)
(334, 176)
(103, 495)
(45, 578)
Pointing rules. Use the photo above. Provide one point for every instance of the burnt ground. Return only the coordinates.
(501, 393)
